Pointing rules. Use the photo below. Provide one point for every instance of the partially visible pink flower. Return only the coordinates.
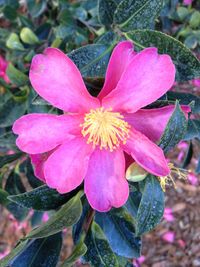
(193, 179)
(196, 82)
(137, 262)
(187, 2)
(4, 254)
(3, 68)
(45, 217)
(168, 215)
(183, 145)
(169, 236)
(181, 243)
(89, 140)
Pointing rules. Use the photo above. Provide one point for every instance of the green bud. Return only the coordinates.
(28, 36)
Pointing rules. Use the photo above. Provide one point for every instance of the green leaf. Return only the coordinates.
(26, 168)
(3, 197)
(193, 130)
(68, 215)
(14, 43)
(151, 207)
(182, 12)
(10, 111)
(16, 76)
(99, 253)
(198, 167)
(106, 9)
(10, 12)
(191, 41)
(185, 99)
(188, 156)
(92, 60)
(42, 198)
(175, 129)
(195, 19)
(119, 228)
(9, 158)
(13, 186)
(36, 8)
(79, 250)
(39, 253)
(28, 36)
(137, 14)
(133, 202)
(187, 65)
(5, 261)
(7, 141)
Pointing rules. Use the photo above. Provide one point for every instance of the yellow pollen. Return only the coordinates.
(105, 128)
(169, 179)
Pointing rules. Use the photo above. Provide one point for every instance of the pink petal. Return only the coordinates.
(66, 168)
(193, 179)
(196, 82)
(169, 236)
(56, 78)
(105, 183)
(121, 56)
(39, 133)
(147, 78)
(38, 161)
(3, 68)
(168, 215)
(152, 122)
(187, 2)
(147, 154)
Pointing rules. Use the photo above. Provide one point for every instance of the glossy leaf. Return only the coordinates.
(16, 77)
(151, 207)
(185, 99)
(119, 228)
(3, 197)
(133, 202)
(9, 158)
(79, 250)
(99, 253)
(137, 14)
(13, 186)
(42, 198)
(36, 8)
(68, 215)
(106, 9)
(193, 130)
(10, 111)
(5, 261)
(92, 59)
(42, 252)
(175, 129)
(187, 65)
(188, 156)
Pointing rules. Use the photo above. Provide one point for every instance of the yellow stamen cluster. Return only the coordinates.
(169, 179)
(105, 128)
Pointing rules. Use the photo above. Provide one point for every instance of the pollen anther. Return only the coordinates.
(169, 179)
(105, 128)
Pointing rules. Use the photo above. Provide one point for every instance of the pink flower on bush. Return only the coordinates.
(187, 2)
(196, 82)
(88, 141)
(3, 67)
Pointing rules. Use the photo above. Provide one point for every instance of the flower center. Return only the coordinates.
(105, 128)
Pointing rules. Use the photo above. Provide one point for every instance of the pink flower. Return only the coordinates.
(3, 67)
(187, 2)
(139, 261)
(196, 82)
(168, 215)
(88, 141)
(192, 178)
(45, 217)
(169, 236)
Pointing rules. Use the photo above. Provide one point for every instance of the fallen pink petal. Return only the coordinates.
(168, 215)
(193, 179)
(169, 236)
